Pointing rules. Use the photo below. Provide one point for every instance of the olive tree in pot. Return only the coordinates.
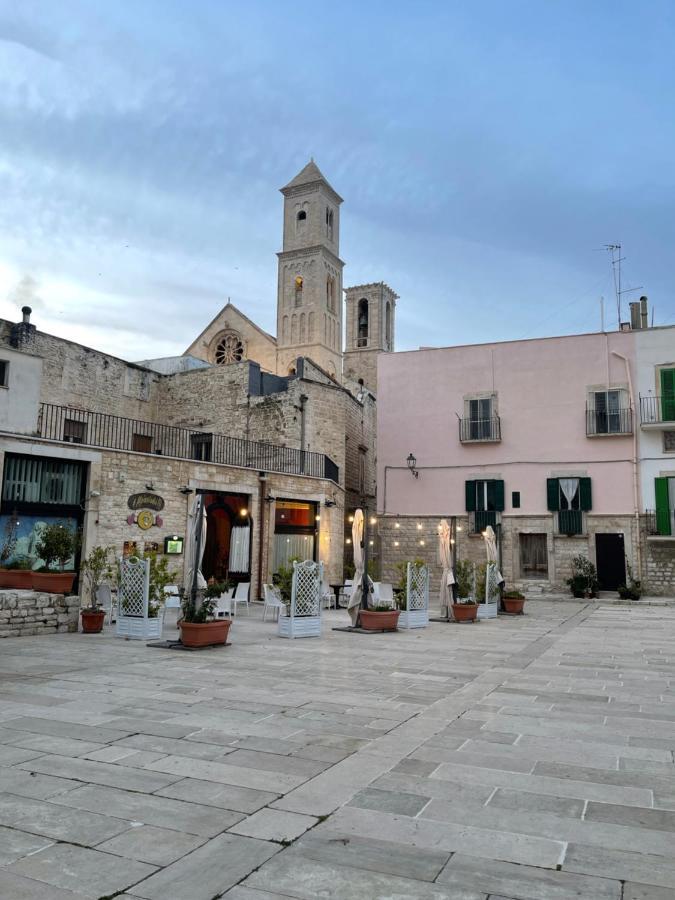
(584, 580)
(97, 569)
(198, 626)
(57, 543)
(465, 608)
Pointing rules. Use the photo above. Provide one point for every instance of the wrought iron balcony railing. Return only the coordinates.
(79, 426)
(481, 518)
(471, 430)
(657, 410)
(570, 521)
(602, 422)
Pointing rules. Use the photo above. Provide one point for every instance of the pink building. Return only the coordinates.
(534, 437)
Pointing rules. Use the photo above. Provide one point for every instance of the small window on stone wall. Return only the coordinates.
(533, 556)
(229, 349)
(669, 441)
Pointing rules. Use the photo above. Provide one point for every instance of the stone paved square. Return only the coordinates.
(526, 758)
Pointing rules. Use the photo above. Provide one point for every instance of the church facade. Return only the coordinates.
(277, 432)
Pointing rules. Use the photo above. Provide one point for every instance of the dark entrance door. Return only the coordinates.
(611, 561)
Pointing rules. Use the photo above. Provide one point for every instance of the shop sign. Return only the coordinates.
(146, 501)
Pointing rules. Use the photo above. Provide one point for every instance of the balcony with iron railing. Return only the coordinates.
(479, 520)
(480, 430)
(94, 429)
(660, 525)
(601, 423)
(570, 522)
(657, 412)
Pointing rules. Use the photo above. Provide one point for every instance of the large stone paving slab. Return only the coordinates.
(528, 759)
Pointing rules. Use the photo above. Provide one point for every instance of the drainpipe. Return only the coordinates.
(636, 505)
(262, 491)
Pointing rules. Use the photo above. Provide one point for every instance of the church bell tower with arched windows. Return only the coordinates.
(371, 311)
(309, 292)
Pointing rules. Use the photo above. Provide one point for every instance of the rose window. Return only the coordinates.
(229, 349)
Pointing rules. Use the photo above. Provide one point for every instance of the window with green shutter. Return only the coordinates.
(668, 394)
(484, 498)
(663, 511)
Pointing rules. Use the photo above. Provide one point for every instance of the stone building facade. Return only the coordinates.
(265, 427)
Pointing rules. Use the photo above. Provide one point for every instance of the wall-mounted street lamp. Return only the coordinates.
(412, 462)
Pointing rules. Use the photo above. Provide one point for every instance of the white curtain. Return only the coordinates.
(240, 542)
(569, 487)
(290, 546)
(357, 543)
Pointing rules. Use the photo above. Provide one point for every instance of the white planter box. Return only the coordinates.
(140, 629)
(487, 610)
(299, 626)
(416, 618)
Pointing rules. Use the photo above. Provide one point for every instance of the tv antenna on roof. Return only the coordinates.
(617, 259)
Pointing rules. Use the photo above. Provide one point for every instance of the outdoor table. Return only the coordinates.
(336, 588)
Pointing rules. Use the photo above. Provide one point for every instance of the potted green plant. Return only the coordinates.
(382, 617)
(15, 572)
(97, 569)
(514, 602)
(57, 543)
(584, 580)
(633, 589)
(198, 626)
(465, 608)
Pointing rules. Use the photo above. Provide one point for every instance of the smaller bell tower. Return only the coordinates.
(371, 314)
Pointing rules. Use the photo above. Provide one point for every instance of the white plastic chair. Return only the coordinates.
(105, 601)
(347, 589)
(224, 605)
(241, 595)
(171, 597)
(273, 601)
(327, 596)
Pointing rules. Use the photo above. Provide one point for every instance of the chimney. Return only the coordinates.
(635, 316)
(644, 315)
(22, 335)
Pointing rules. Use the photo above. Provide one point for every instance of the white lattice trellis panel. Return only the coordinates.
(416, 613)
(134, 587)
(488, 608)
(306, 593)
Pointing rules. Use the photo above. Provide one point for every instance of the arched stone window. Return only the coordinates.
(310, 327)
(387, 326)
(298, 283)
(284, 330)
(300, 221)
(302, 328)
(362, 323)
(294, 329)
(329, 223)
(229, 349)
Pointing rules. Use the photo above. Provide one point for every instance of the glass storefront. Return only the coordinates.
(295, 531)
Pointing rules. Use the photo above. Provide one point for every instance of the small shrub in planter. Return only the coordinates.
(160, 577)
(514, 602)
(584, 580)
(464, 608)
(379, 618)
(98, 568)
(633, 589)
(17, 574)
(198, 628)
(57, 544)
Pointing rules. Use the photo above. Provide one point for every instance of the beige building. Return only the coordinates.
(280, 444)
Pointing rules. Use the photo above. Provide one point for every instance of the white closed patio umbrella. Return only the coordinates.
(357, 543)
(490, 539)
(445, 559)
(195, 545)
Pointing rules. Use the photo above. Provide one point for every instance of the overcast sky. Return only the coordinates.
(484, 150)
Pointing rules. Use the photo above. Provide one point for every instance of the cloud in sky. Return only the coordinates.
(484, 151)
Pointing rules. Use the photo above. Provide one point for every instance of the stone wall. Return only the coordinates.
(658, 564)
(404, 538)
(32, 612)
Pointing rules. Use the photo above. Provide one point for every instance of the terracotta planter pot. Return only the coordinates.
(92, 620)
(465, 612)
(53, 582)
(379, 621)
(204, 634)
(17, 579)
(513, 606)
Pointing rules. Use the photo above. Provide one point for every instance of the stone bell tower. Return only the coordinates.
(309, 292)
(371, 313)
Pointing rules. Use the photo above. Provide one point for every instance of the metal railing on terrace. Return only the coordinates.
(570, 521)
(79, 426)
(599, 421)
(480, 430)
(657, 410)
(481, 518)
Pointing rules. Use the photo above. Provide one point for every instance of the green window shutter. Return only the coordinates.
(662, 506)
(585, 495)
(552, 494)
(668, 395)
(499, 495)
(470, 487)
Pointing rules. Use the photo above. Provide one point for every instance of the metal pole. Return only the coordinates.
(364, 584)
